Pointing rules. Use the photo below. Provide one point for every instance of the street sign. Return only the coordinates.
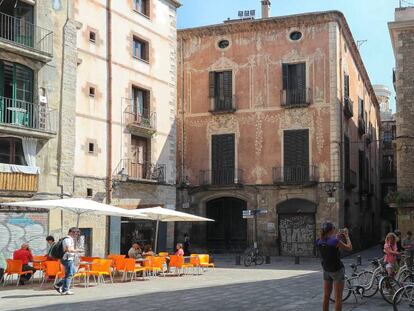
(248, 216)
(261, 211)
(248, 212)
(331, 200)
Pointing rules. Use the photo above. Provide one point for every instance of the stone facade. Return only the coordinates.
(402, 36)
(255, 51)
(49, 114)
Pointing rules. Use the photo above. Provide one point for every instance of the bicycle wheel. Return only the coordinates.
(369, 282)
(408, 279)
(259, 259)
(403, 275)
(247, 261)
(404, 298)
(346, 292)
(388, 286)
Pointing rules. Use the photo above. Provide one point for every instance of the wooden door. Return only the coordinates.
(223, 159)
(138, 159)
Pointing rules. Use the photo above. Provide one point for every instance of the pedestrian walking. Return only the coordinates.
(68, 245)
(329, 245)
(391, 253)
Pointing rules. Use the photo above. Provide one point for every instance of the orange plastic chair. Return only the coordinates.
(101, 268)
(38, 264)
(150, 266)
(176, 262)
(158, 264)
(14, 267)
(130, 267)
(205, 261)
(194, 263)
(52, 269)
(118, 265)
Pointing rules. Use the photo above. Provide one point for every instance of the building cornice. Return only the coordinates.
(283, 22)
(176, 3)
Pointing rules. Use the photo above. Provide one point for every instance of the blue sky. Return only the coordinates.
(367, 19)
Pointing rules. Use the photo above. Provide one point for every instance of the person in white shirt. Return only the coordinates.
(63, 287)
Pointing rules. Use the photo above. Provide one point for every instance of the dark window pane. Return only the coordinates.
(5, 151)
(19, 155)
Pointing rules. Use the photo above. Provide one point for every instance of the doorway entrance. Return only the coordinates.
(228, 233)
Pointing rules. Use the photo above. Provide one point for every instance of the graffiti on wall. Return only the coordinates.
(297, 234)
(17, 228)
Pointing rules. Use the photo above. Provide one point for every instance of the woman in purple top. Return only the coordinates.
(329, 245)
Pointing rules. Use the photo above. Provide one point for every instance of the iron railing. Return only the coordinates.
(387, 144)
(295, 175)
(296, 97)
(348, 107)
(131, 169)
(22, 33)
(144, 118)
(350, 179)
(24, 114)
(222, 104)
(389, 174)
(221, 177)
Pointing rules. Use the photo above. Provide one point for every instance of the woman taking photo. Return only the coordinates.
(329, 245)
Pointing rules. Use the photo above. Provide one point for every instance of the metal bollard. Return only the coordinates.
(297, 260)
(267, 258)
(238, 259)
(359, 260)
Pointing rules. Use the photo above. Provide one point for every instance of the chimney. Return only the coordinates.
(265, 8)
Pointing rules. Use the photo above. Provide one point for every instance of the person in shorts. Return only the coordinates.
(391, 253)
(329, 245)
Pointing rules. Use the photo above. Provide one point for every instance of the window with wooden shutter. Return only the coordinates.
(223, 159)
(296, 155)
(221, 90)
(346, 86)
(347, 162)
(294, 84)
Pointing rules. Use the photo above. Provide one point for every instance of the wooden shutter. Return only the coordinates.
(296, 155)
(301, 76)
(211, 84)
(228, 89)
(223, 158)
(346, 85)
(285, 75)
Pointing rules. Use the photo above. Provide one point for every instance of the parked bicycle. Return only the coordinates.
(253, 256)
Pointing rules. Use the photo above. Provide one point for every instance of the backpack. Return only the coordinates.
(56, 251)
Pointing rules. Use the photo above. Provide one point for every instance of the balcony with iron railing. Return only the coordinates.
(141, 123)
(403, 197)
(294, 98)
(295, 175)
(348, 107)
(222, 104)
(19, 36)
(350, 179)
(19, 117)
(132, 170)
(221, 177)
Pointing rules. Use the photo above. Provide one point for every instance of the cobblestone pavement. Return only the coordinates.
(282, 285)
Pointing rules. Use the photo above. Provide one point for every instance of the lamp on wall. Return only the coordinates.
(330, 189)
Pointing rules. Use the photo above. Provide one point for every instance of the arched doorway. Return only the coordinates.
(229, 231)
(296, 227)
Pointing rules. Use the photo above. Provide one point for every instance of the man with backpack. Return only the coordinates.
(65, 250)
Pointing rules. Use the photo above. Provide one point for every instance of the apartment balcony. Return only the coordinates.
(387, 144)
(141, 123)
(26, 39)
(21, 118)
(350, 179)
(348, 107)
(18, 182)
(220, 177)
(295, 98)
(361, 126)
(295, 175)
(132, 170)
(403, 197)
(221, 105)
(389, 174)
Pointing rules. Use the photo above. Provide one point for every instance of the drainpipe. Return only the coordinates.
(109, 94)
(182, 112)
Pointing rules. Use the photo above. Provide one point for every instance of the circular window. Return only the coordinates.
(295, 35)
(223, 44)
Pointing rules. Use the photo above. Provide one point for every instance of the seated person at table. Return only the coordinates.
(25, 255)
(135, 251)
(148, 251)
(180, 251)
